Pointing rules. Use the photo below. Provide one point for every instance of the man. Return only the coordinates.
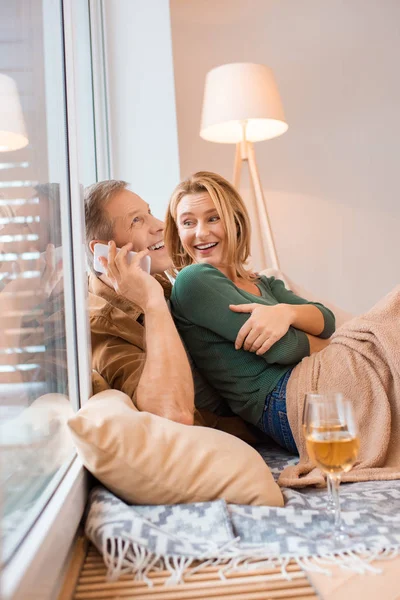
(135, 345)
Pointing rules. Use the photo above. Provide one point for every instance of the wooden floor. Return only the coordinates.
(86, 580)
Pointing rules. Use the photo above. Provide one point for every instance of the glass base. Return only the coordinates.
(342, 536)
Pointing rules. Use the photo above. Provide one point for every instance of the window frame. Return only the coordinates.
(36, 568)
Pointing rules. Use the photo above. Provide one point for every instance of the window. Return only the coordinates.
(42, 372)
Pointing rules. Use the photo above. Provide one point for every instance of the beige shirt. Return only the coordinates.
(119, 350)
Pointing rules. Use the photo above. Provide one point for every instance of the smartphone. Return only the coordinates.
(102, 250)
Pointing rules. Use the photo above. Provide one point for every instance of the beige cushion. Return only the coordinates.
(146, 459)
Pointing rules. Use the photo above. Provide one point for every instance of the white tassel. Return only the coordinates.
(312, 566)
(179, 564)
(122, 556)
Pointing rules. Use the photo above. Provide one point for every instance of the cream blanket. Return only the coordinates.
(363, 362)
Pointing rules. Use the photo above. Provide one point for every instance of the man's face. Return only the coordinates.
(133, 222)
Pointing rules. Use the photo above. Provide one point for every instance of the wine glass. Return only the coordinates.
(332, 444)
(310, 398)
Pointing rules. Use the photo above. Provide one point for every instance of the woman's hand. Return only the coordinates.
(267, 325)
(129, 279)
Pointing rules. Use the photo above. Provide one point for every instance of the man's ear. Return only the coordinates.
(94, 242)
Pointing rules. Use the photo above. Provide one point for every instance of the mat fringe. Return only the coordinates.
(125, 556)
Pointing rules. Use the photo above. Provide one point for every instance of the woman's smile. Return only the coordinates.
(206, 249)
(200, 229)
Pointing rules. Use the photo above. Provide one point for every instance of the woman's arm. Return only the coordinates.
(316, 343)
(202, 295)
(311, 317)
(306, 317)
(267, 324)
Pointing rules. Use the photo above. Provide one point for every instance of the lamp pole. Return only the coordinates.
(245, 152)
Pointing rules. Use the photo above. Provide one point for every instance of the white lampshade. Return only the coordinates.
(237, 93)
(13, 134)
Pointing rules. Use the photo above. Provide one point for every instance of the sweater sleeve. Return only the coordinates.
(202, 295)
(287, 297)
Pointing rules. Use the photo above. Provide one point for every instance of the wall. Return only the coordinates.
(144, 144)
(331, 181)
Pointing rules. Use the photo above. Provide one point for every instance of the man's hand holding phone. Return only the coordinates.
(128, 278)
(102, 250)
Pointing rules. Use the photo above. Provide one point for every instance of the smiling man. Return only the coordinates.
(135, 345)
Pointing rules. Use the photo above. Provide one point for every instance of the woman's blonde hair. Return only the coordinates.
(232, 212)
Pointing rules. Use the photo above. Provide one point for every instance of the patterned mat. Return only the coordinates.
(138, 538)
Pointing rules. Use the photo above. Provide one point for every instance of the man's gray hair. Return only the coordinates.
(98, 224)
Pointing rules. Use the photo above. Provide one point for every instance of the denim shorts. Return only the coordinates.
(274, 421)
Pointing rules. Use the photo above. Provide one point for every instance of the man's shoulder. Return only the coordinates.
(112, 316)
(99, 307)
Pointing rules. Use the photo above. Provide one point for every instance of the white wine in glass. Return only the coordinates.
(314, 398)
(332, 444)
(332, 451)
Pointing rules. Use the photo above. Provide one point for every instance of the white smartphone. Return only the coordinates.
(102, 250)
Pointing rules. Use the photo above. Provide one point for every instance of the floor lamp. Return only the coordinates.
(242, 105)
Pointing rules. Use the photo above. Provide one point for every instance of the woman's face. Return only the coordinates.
(200, 229)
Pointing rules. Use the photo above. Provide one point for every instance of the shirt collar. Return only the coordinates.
(99, 288)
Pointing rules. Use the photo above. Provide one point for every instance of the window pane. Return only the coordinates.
(35, 393)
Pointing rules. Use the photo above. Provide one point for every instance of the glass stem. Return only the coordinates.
(329, 486)
(335, 483)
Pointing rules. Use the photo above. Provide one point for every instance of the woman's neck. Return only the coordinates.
(229, 272)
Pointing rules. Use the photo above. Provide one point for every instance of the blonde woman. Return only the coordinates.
(245, 332)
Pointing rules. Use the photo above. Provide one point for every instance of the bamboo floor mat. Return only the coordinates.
(86, 580)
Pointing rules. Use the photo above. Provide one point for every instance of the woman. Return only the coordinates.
(248, 360)
(263, 364)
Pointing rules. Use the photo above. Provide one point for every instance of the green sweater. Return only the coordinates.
(200, 306)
